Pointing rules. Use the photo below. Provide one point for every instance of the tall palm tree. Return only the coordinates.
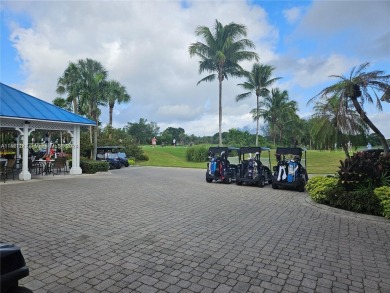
(358, 88)
(93, 84)
(334, 122)
(258, 81)
(116, 93)
(69, 83)
(277, 109)
(220, 54)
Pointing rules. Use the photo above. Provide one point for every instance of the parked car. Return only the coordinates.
(219, 168)
(13, 268)
(250, 169)
(123, 159)
(111, 158)
(289, 172)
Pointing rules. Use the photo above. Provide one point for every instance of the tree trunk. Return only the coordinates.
(110, 114)
(95, 131)
(274, 134)
(257, 120)
(75, 106)
(345, 149)
(90, 134)
(91, 114)
(110, 121)
(344, 146)
(220, 113)
(366, 120)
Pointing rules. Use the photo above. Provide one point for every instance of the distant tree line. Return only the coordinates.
(298, 133)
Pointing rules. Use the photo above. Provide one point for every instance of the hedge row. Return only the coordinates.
(197, 153)
(329, 191)
(91, 166)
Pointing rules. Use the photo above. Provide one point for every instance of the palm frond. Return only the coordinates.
(208, 78)
(243, 96)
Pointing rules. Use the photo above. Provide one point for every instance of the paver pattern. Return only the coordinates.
(146, 229)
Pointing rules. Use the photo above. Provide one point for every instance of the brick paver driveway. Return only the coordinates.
(145, 229)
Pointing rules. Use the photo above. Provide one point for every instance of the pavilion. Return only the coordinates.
(25, 114)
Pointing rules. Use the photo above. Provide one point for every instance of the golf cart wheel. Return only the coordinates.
(19, 289)
(301, 188)
(209, 180)
(275, 186)
(238, 182)
(261, 182)
(227, 180)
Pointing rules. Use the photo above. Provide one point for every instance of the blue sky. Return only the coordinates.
(144, 45)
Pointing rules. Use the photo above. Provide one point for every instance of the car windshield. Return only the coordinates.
(111, 155)
(122, 155)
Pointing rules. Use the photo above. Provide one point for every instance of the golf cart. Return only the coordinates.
(289, 172)
(13, 268)
(219, 167)
(250, 169)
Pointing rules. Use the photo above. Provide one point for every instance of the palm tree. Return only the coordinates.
(334, 122)
(220, 54)
(277, 109)
(359, 88)
(115, 93)
(93, 83)
(69, 83)
(258, 81)
(63, 103)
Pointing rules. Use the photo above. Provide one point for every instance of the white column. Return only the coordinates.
(25, 174)
(76, 170)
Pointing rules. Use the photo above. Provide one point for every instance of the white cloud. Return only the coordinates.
(292, 14)
(313, 71)
(144, 45)
(381, 121)
(179, 112)
(352, 25)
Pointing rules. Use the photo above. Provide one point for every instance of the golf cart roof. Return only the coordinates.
(290, 151)
(248, 150)
(219, 150)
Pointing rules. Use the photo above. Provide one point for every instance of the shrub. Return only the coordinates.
(136, 152)
(361, 201)
(91, 166)
(322, 189)
(131, 162)
(197, 153)
(383, 193)
(367, 167)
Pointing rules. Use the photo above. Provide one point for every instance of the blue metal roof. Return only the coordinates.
(19, 105)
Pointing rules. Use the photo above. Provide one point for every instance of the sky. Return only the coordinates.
(144, 45)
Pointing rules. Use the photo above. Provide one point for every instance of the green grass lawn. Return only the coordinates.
(168, 156)
(318, 162)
